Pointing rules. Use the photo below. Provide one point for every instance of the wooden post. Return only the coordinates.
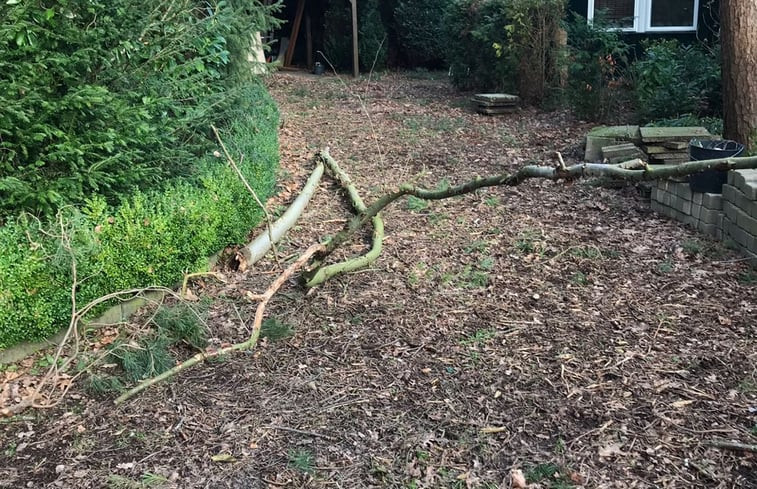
(355, 58)
(309, 37)
(295, 32)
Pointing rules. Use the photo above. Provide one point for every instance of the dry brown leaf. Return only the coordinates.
(611, 450)
(517, 479)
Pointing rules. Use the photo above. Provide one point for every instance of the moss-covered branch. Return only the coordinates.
(617, 171)
(317, 275)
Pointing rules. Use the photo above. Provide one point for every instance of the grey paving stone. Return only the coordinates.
(746, 181)
(684, 191)
(708, 229)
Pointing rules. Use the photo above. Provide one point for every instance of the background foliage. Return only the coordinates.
(420, 31)
(672, 79)
(372, 35)
(533, 32)
(475, 34)
(597, 59)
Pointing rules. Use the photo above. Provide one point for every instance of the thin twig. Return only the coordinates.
(300, 432)
(187, 276)
(269, 221)
(363, 106)
(732, 445)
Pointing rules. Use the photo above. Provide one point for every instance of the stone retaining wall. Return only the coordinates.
(730, 216)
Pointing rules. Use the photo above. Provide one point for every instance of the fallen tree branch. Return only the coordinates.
(245, 345)
(260, 246)
(318, 275)
(573, 172)
(732, 445)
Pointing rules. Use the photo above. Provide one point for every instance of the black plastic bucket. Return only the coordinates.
(711, 181)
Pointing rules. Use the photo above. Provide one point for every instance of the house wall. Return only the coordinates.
(707, 24)
(730, 216)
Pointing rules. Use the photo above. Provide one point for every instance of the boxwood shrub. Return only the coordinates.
(151, 238)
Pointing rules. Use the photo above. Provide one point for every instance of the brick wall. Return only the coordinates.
(730, 216)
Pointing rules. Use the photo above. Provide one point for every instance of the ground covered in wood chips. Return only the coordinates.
(563, 330)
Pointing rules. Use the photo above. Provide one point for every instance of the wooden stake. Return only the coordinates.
(309, 40)
(295, 32)
(355, 57)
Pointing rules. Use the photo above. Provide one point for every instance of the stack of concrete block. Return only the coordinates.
(740, 207)
(669, 145)
(618, 153)
(702, 211)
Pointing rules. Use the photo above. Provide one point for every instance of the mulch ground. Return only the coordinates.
(564, 330)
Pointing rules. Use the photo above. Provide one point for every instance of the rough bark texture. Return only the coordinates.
(739, 48)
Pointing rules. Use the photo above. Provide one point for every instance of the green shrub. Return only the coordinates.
(532, 33)
(474, 35)
(674, 79)
(151, 238)
(596, 60)
(372, 37)
(420, 31)
(104, 96)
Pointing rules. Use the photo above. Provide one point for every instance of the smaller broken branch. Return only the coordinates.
(561, 161)
(188, 276)
(318, 274)
(260, 246)
(299, 432)
(245, 345)
(732, 445)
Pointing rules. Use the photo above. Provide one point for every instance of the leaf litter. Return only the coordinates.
(549, 335)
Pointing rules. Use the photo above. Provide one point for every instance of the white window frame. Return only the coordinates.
(642, 19)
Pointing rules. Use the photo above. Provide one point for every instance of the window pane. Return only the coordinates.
(672, 13)
(616, 12)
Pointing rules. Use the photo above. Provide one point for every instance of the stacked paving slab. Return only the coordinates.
(730, 216)
(702, 211)
(670, 145)
(495, 103)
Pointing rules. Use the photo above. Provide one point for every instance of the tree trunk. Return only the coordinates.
(738, 27)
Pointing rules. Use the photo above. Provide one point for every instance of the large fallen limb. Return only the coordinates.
(245, 345)
(260, 246)
(581, 170)
(319, 274)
